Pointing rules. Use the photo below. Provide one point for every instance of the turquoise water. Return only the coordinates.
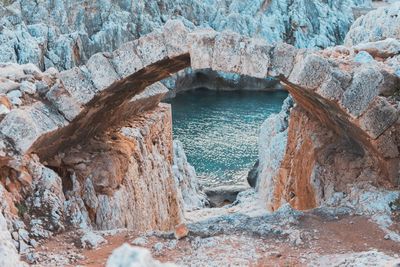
(219, 130)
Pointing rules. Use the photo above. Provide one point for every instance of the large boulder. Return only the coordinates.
(129, 256)
(375, 26)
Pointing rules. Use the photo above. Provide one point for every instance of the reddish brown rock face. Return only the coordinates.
(319, 161)
(122, 172)
(293, 179)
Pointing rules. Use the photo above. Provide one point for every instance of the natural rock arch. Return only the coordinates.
(347, 97)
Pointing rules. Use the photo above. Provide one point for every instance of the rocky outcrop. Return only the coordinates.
(367, 120)
(8, 254)
(108, 182)
(188, 186)
(344, 128)
(189, 79)
(324, 158)
(225, 194)
(65, 34)
(375, 26)
(272, 143)
(124, 175)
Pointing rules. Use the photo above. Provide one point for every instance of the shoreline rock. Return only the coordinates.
(224, 195)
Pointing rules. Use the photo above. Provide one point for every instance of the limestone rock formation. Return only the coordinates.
(225, 194)
(353, 106)
(92, 146)
(125, 175)
(65, 34)
(92, 240)
(272, 143)
(186, 180)
(189, 79)
(83, 189)
(375, 26)
(8, 254)
(322, 158)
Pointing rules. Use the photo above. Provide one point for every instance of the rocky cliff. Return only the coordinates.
(189, 191)
(92, 146)
(121, 178)
(356, 101)
(375, 26)
(64, 34)
(321, 159)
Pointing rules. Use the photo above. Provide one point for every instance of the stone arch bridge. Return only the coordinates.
(348, 97)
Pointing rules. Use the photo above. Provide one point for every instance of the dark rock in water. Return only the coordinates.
(224, 195)
(253, 175)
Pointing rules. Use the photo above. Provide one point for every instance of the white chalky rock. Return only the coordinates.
(92, 240)
(128, 256)
(8, 254)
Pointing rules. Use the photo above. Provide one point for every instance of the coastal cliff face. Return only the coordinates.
(322, 160)
(92, 146)
(375, 26)
(64, 34)
(338, 140)
(121, 178)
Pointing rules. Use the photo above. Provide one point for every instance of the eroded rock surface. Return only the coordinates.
(186, 180)
(375, 26)
(85, 185)
(65, 34)
(350, 105)
(119, 176)
(92, 146)
(8, 254)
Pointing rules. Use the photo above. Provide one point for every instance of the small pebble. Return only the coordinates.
(158, 247)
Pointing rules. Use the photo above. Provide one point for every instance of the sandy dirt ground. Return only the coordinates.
(320, 237)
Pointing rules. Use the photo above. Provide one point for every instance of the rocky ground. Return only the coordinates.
(242, 235)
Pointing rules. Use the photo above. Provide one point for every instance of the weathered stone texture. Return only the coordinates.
(379, 116)
(363, 89)
(77, 82)
(151, 48)
(201, 44)
(131, 182)
(282, 58)
(25, 126)
(255, 59)
(186, 180)
(67, 33)
(102, 73)
(310, 71)
(64, 102)
(375, 26)
(227, 52)
(125, 59)
(175, 37)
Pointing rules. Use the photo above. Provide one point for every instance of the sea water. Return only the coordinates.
(219, 130)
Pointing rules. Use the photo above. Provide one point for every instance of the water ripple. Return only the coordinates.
(219, 130)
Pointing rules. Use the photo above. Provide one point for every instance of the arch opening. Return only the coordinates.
(102, 97)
